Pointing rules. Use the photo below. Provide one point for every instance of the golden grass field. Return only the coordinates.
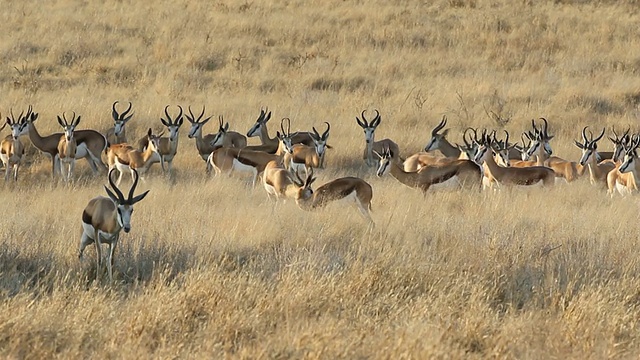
(213, 269)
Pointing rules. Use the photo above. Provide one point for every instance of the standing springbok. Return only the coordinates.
(168, 146)
(67, 145)
(90, 145)
(12, 149)
(352, 189)
(104, 217)
(118, 134)
(597, 170)
(278, 181)
(125, 157)
(371, 145)
(300, 156)
(269, 144)
(418, 160)
(624, 177)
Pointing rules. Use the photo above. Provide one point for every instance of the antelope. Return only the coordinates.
(278, 181)
(353, 189)
(597, 170)
(104, 217)
(623, 177)
(269, 144)
(117, 134)
(12, 149)
(498, 175)
(569, 170)
(300, 156)
(168, 146)
(126, 157)
(439, 141)
(67, 145)
(618, 146)
(203, 144)
(462, 172)
(416, 161)
(90, 145)
(371, 145)
(246, 160)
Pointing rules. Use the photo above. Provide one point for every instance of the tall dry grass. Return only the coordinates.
(213, 269)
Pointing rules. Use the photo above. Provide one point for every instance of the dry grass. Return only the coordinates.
(213, 269)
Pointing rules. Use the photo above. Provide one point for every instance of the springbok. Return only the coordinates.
(418, 160)
(246, 160)
(11, 148)
(104, 217)
(597, 170)
(204, 143)
(278, 181)
(352, 189)
(618, 146)
(624, 176)
(90, 145)
(67, 146)
(118, 134)
(563, 169)
(168, 145)
(269, 144)
(371, 145)
(508, 176)
(300, 156)
(464, 173)
(125, 157)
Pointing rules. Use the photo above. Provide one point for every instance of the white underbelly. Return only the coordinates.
(89, 231)
(240, 167)
(297, 167)
(121, 167)
(81, 151)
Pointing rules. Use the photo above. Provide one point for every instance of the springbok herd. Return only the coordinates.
(287, 161)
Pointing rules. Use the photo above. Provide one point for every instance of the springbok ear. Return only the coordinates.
(179, 121)
(164, 122)
(445, 132)
(139, 197)
(226, 127)
(59, 121)
(149, 133)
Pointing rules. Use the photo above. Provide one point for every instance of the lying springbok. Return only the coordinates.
(103, 218)
(508, 176)
(67, 146)
(352, 189)
(118, 134)
(464, 173)
(11, 148)
(90, 145)
(371, 145)
(597, 170)
(204, 143)
(125, 157)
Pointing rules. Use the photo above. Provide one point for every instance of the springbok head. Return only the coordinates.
(68, 127)
(369, 127)
(173, 125)
(436, 136)
(196, 123)
(261, 122)
(120, 119)
(589, 146)
(124, 205)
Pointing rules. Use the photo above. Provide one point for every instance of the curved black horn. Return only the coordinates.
(584, 134)
(599, 137)
(326, 132)
(114, 187)
(506, 141)
(135, 183)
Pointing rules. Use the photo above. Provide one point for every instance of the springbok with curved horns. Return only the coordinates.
(67, 146)
(118, 134)
(624, 178)
(125, 157)
(269, 144)
(299, 156)
(204, 144)
(352, 189)
(371, 145)
(597, 170)
(168, 146)
(104, 217)
(11, 148)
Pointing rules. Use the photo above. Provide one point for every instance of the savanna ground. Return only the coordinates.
(213, 269)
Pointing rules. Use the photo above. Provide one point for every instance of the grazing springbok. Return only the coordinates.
(90, 145)
(125, 157)
(371, 145)
(352, 189)
(278, 181)
(67, 146)
(463, 173)
(104, 217)
(497, 176)
(11, 148)
(597, 170)
(118, 134)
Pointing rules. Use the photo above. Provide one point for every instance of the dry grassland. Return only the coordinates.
(212, 269)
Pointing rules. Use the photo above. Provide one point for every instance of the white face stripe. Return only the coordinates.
(255, 130)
